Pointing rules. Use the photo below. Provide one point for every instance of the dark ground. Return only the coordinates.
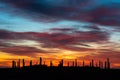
(59, 73)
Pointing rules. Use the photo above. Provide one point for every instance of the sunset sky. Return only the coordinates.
(60, 29)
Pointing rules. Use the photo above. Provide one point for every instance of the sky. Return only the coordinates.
(62, 29)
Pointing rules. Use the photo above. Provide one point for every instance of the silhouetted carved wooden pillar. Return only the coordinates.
(40, 61)
(102, 65)
(51, 64)
(18, 63)
(62, 62)
(96, 65)
(75, 62)
(105, 65)
(83, 63)
(92, 63)
(68, 64)
(13, 64)
(108, 63)
(99, 64)
(30, 62)
(44, 62)
(23, 62)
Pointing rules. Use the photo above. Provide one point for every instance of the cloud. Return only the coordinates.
(102, 55)
(73, 39)
(22, 50)
(63, 38)
(107, 14)
(78, 10)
